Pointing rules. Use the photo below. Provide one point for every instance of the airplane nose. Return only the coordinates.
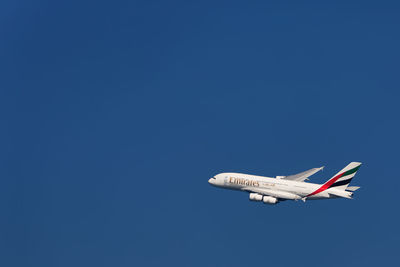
(211, 180)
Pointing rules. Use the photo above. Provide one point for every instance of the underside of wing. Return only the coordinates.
(272, 193)
(300, 177)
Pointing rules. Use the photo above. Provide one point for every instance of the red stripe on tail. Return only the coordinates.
(326, 185)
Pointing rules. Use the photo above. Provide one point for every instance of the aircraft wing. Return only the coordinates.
(303, 175)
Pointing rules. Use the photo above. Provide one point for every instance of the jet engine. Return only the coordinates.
(255, 197)
(270, 200)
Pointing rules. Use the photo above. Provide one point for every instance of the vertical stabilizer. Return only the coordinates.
(343, 178)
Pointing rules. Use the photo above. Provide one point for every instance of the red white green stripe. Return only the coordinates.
(334, 181)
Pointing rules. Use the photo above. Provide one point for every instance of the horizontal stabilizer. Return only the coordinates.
(303, 175)
(352, 188)
(340, 193)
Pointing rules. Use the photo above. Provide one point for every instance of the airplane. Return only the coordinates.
(293, 187)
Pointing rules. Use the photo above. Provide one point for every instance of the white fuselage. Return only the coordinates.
(275, 187)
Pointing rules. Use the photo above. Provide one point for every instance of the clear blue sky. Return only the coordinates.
(115, 114)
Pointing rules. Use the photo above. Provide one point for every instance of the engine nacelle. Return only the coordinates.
(270, 200)
(255, 197)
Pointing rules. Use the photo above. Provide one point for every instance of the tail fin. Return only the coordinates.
(343, 178)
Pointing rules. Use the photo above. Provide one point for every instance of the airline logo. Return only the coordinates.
(241, 181)
(334, 181)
